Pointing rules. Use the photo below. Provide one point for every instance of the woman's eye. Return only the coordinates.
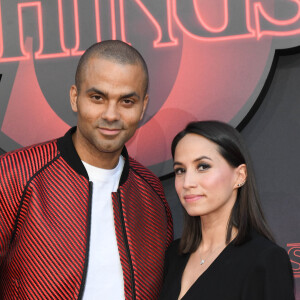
(179, 171)
(203, 167)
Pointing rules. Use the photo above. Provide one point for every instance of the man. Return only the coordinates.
(79, 218)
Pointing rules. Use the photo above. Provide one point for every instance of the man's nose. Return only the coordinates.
(111, 112)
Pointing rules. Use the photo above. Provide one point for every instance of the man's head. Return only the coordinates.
(113, 50)
(110, 98)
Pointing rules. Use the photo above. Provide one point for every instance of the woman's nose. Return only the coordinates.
(189, 180)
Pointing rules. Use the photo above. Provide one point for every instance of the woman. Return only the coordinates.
(226, 250)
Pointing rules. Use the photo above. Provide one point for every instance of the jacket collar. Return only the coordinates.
(68, 152)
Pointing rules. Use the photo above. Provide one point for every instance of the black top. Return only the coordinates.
(255, 270)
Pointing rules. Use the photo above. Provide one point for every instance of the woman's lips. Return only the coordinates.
(192, 198)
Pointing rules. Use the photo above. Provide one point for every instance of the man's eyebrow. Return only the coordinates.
(133, 94)
(95, 90)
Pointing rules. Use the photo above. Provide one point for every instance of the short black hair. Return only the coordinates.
(247, 214)
(114, 50)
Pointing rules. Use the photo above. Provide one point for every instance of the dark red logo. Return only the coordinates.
(294, 253)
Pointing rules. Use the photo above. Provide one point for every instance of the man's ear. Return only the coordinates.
(73, 97)
(145, 103)
(241, 175)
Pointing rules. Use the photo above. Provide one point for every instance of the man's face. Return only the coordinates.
(110, 104)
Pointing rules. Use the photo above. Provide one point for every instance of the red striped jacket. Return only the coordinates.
(45, 213)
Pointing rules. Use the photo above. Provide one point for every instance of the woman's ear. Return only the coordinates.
(241, 175)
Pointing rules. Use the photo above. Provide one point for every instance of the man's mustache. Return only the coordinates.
(116, 125)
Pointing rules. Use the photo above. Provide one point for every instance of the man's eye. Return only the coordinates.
(96, 97)
(203, 167)
(178, 171)
(128, 101)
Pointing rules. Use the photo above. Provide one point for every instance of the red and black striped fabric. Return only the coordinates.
(147, 232)
(45, 223)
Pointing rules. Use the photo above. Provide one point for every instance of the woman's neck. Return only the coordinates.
(214, 233)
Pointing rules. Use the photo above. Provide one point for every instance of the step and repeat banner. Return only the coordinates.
(207, 60)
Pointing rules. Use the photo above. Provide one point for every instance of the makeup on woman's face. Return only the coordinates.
(204, 181)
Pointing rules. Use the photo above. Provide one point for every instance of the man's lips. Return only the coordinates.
(192, 198)
(109, 131)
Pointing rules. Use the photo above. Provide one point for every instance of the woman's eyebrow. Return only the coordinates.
(176, 163)
(202, 157)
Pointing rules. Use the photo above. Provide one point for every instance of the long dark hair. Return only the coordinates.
(246, 214)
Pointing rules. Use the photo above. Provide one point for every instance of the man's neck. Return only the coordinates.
(94, 157)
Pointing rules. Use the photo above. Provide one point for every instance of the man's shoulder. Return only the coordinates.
(43, 151)
(141, 170)
(145, 174)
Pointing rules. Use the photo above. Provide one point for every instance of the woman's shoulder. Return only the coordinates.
(173, 249)
(262, 244)
(263, 250)
(173, 252)
(264, 265)
(173, 256)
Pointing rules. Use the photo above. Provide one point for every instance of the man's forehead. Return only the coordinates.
(96, 64)
(93, 60)
(92, 65)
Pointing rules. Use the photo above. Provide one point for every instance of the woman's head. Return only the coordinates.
(228, 139)
(214, 174)
(207, 185)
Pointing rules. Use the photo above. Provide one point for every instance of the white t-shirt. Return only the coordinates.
(104, 273)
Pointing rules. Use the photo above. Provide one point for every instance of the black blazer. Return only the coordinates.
(256, 270)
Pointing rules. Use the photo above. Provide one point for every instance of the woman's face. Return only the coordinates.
(204, 181)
